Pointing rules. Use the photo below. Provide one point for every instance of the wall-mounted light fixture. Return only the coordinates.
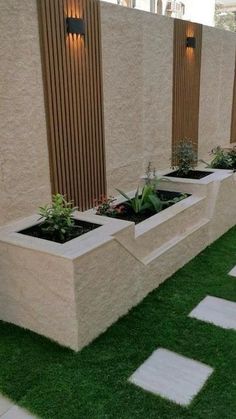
(191, 42)
(75, 25)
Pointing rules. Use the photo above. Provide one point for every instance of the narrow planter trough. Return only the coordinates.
(71, 292)
(192, 174)
(124, 212)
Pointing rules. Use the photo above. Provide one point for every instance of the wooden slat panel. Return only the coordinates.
(233, 117)
(73, 82)
(186, 83)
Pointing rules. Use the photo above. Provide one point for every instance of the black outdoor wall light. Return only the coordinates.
(75, 25)
(191, 42)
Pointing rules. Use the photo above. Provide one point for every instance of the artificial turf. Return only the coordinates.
(54, 382)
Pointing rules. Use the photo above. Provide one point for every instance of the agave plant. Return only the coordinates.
(143, 200)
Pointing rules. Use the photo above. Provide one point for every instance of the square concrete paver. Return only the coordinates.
(217, 311)
(17, 412)
(171, 376)
(5, 404)
(233, 272)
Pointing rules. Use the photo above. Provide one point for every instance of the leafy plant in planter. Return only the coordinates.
(185, 156)
(150, 199)
(222, 159)
(58, 222)
(232, 154)
(104, 206)
(146, 200)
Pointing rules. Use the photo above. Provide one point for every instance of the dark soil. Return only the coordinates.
(192, 174)
(81, 227)
(129, 215)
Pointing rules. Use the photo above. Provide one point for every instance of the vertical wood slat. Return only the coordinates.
(186, 83)
(73, 87)
(233, 116)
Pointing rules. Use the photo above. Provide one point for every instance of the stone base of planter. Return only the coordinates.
(72, 292)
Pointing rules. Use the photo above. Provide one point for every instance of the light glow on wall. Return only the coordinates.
(74, 11)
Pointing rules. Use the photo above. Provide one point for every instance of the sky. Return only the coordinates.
(200, 11)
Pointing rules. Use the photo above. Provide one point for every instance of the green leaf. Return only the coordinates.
(123, 194)
(156, 202)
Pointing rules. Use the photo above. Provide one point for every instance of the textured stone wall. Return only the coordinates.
(137, 49)
(216, 94)
(24, 167)
(137, 78)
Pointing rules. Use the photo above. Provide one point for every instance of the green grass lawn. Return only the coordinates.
(54, 382)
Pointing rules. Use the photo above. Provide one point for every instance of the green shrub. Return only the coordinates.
(185, 156)
(232, 154)
(222, 159)
(58, 221)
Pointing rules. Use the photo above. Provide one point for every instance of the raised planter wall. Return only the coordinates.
(72, 292)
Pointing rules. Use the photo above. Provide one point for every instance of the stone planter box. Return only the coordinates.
(72, 292)
(219, 190)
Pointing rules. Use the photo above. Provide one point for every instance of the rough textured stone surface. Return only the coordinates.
(233, 272)
(171, 376)
(24, 167)
(17, 412)
(37, 292)
(5, 404)
(103, 278)
(224, 215)
(218, 311)
(216, 92)
(137, 81)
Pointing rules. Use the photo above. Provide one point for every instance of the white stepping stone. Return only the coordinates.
(17, 412)
(5, 404)
(217, 311)
(233, 272)
(171, 376)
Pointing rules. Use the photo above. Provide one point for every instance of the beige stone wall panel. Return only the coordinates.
(73, 292)
(137, 51)
(216, 89)
(24, 165)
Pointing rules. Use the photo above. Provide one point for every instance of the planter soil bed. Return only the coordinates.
(81, 227)
(129, 215)
(192, 174)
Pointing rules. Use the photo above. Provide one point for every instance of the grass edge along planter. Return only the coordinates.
(72, 292)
